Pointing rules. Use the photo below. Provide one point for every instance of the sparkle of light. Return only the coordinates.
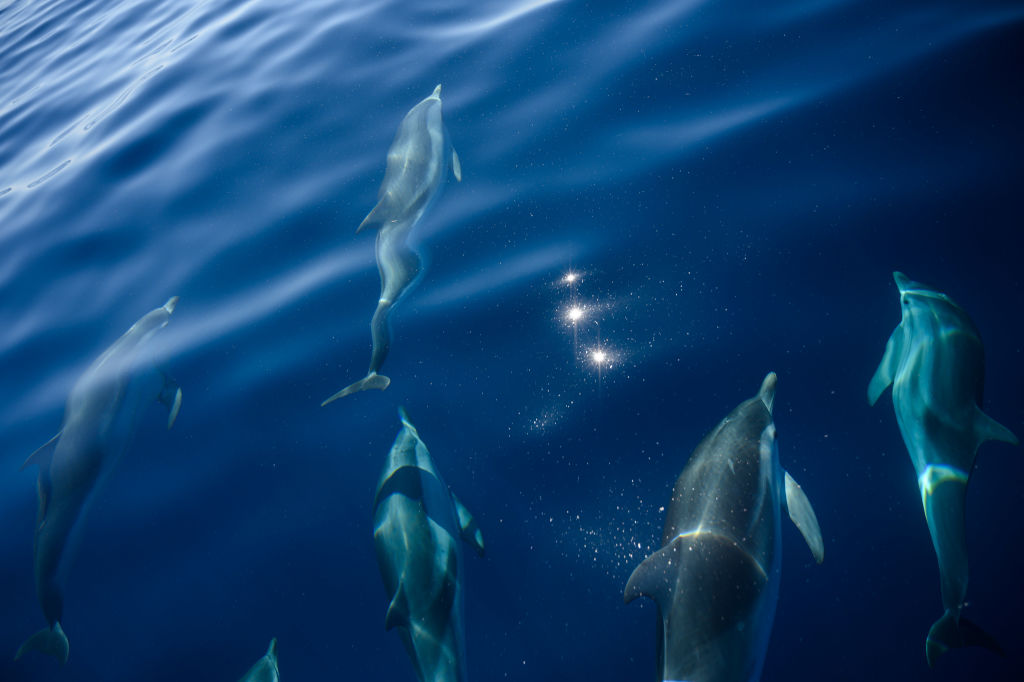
(575, 313)
(570, 277)
(599, 356)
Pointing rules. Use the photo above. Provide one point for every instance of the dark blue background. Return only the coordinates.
(734, 180)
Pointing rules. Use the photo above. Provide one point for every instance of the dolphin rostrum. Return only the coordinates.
(418, 162)
(417, 524)
(936, 364)
(265, 669)
(99, 418)
(716, 577)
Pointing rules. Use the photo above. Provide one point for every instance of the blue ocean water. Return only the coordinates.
(734, 183)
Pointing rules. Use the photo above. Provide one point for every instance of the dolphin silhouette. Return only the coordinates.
(99, 419)
(936, 364)
(716, 577)
(417, 163)
(417, 525)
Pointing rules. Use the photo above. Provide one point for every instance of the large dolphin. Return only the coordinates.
(265, 669)
(417, 523)
(417, 164)
(716, 577)
(99, 418)
(936, 365)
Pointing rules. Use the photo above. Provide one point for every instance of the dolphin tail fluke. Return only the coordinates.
(51, 641)
(370, 381)
(946, 633)
(988, 428)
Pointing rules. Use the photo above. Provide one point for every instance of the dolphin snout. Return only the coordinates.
(171, 302)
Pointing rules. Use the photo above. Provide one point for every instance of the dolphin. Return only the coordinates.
(418, 161)
(716, 577)
(417, 523)
(936, 364)
(99, 418)
(265, 669)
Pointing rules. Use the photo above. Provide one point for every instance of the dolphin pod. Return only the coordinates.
(935, 362)
(418, 162)
(99, 419)
(265, 669)
(716, 577)
(417, 524)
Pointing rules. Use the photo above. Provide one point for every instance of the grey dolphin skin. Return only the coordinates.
(265, 669)
(936, 365)
(417, 524)
(418, 162)
(716, 577)
(99, 419)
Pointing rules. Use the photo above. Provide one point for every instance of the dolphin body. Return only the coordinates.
(716, 577)
(265, 669)
(99, 419)
(936, 364)
(417, 523)
(417, 163)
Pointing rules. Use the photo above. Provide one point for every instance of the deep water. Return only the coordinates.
(734, 181)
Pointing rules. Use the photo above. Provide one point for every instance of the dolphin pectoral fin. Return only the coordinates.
(946, 633)
(887, 367)
(468, 530)
(988, 428)
(42, 454)
(376, 217)
(456, 166)
(398, 611)
(654, 576)
(802, 514)
(170, 395)
(370, 381)
(49, 641)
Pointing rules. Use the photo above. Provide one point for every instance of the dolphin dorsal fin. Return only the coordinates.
(398, 610)
(43, 453)
(987, 428)
(468, 530)
(456, 166)
(802, 514)
(887, 367)
(655, 576)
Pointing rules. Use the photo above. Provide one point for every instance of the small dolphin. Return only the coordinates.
(265, 669)
(936, 365)
(716, 577)
(417, 523)
(99, 419)
(417, 163)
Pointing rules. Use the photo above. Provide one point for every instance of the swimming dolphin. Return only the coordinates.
(936, 365)
(99, 419)
(716, 577)
(265, 669)
(417, 163)
(417, 523)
